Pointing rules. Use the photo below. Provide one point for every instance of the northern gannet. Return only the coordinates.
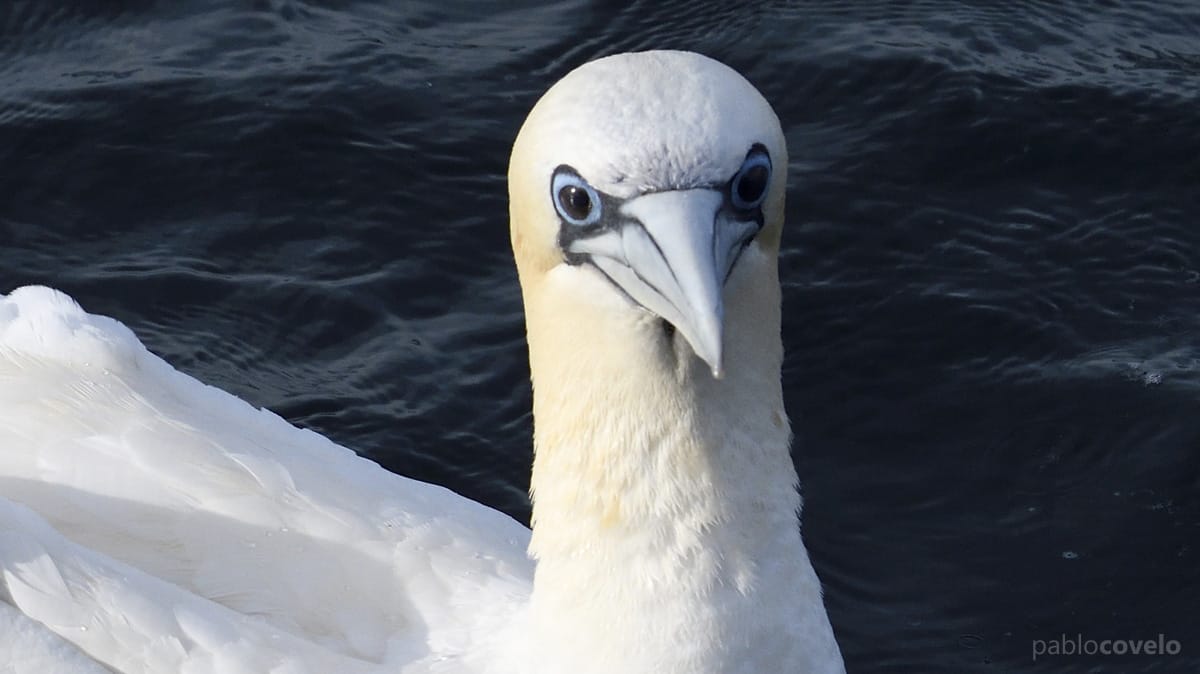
(150, 523)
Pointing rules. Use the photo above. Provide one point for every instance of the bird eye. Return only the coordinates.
(576, 201)
(749, 186)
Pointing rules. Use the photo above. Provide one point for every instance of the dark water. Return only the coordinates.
(992, 267)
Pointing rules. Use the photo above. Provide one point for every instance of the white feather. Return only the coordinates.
(166, 492)
(152, 524)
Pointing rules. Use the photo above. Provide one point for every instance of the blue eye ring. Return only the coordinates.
(577, 202)
(748, 189)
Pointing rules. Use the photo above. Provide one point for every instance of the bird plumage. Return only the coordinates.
(155, 524)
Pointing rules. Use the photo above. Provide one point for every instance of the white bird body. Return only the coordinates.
(151, 523)
(224, 531)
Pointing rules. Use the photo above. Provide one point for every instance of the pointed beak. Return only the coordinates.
(671, 253)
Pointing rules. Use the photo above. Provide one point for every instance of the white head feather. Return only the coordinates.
(664, 496)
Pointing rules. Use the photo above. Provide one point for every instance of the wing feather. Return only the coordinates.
(140, 466)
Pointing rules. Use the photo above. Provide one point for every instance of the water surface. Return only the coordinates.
(991, 267)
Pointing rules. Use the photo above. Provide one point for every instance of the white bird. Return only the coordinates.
(150, 523)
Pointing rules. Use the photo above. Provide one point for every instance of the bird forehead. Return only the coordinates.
(656, 121)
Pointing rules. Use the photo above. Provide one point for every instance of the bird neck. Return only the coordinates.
(665, 501)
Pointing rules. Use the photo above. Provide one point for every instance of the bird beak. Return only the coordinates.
(671, 253)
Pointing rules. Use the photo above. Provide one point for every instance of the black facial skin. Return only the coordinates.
(753, 182)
